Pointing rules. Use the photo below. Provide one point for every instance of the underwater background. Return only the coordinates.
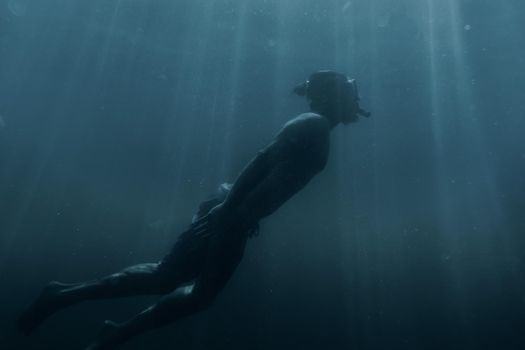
(117, 117)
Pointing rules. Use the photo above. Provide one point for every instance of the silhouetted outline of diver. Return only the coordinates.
(207, 253)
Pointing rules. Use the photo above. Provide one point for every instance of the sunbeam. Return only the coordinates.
(122, 124)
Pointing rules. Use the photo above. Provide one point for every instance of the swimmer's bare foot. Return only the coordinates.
(46, 304)
(108, 338)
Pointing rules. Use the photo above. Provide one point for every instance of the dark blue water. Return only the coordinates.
(118, 117)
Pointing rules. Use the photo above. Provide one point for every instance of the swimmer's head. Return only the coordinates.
(333, 95)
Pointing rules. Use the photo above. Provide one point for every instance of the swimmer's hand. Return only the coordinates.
(219, 215)
(212, 222)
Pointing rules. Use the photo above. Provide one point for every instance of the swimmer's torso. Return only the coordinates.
(304, 143)
(298, 152)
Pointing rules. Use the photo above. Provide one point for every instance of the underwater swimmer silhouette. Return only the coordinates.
(207, 253)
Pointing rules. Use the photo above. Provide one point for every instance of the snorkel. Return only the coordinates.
(357, 98)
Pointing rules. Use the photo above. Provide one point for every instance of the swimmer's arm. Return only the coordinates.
(250, 176)
(298, 133)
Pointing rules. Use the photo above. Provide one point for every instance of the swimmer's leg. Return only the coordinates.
(135, 280)
(182, 302)
(185, 301)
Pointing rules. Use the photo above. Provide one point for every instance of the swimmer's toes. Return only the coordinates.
(109, 329)
(42, 308)
(108, 337)
(25, 323)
